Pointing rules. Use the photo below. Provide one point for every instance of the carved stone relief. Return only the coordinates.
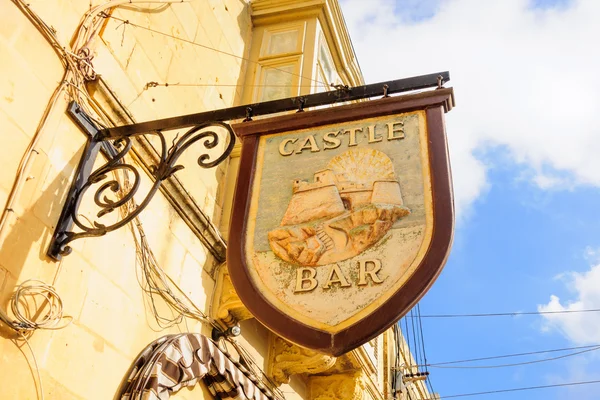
(349, 207)
(287, 359)
(328, 377)
(227, 306)
(338, 387)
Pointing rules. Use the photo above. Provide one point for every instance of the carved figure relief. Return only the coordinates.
(350, 205)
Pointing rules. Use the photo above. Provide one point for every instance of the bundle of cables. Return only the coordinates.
(27, 317)
(28, 303)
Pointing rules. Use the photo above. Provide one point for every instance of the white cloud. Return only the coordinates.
(592, 254)
(525, 79)
(580, 328)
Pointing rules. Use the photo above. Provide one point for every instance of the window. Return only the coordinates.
(279, 62)
(326, 71)
(282, 42)
(278, 78)
(278, 82)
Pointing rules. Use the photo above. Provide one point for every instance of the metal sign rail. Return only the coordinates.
(208, 128)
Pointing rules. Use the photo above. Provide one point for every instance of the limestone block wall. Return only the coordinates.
(112, 321)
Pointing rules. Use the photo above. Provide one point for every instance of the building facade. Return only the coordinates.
(165, 273)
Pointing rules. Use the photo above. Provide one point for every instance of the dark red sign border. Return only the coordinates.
(435, 103)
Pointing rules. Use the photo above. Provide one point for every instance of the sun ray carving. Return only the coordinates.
(362, 165)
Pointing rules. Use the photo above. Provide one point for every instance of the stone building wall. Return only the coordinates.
(98, 282)
(200, 48)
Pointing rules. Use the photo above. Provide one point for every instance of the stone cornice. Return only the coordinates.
(266, 12)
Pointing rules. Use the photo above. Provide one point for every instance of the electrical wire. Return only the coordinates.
(396, 368)
(72, 75)
(418, 351)
(35, 363)
(510, 314)
(33, 288)
(77, 68)
(514, 355)
(254, 368)
(430, 385)
(415, 349)
(157, 284)
(407, 368)
(166, 84)
(25, 323)
(127, 22)
(420, 329)
(406, 336)
(588, 348)
(515, 364)
(428, 376)
(30, 290)
(516, 389)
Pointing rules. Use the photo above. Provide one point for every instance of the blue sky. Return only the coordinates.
(497, 268)
(526, 163)
(415, 11)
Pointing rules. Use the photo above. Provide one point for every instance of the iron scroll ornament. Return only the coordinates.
(106, 178)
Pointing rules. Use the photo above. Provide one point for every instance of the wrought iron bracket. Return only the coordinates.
(62, 232)
(111, 193)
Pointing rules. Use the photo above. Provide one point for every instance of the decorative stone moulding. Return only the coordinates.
(327, 377)
(227, 306)
(349, 386)
(287, 359)
(345, 379)
(344, 373)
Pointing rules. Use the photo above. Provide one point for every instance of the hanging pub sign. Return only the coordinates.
(343, 217)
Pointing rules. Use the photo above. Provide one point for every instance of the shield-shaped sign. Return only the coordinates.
(343, 217)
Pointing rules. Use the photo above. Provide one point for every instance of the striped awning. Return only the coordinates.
(177, 361)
